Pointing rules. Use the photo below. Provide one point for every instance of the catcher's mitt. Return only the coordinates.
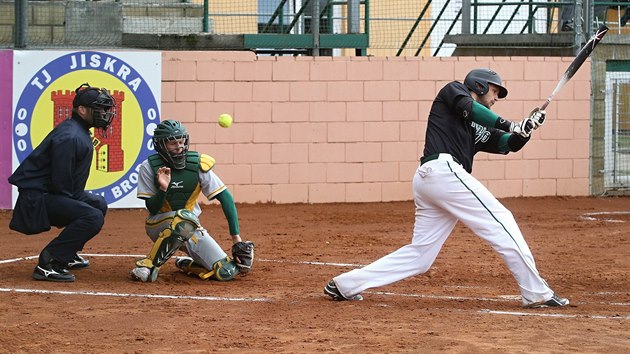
(243, 254)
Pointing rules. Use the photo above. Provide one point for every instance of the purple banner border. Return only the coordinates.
(6, 106)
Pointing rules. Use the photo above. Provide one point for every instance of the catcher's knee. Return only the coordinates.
(181, 229)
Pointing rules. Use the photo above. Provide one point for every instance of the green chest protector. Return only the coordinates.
(184, 188)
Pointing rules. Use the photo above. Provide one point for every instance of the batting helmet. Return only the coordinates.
(477, 81)
(169, 130)
(101, 102)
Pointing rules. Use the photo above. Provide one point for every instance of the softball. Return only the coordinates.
(225, 120)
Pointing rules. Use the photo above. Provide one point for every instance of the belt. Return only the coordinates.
(443, 157)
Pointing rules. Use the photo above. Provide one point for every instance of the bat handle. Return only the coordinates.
(544, 105)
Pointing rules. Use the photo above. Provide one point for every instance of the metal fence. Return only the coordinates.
(379, 27)
(610, 131)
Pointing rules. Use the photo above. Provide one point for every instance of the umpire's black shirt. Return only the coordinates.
(61, 163)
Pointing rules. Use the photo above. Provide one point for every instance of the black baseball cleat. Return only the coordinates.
(78, 262)
(331, 290)
(555, 301)
(50, 269)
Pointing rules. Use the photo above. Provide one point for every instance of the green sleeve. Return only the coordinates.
(229, 209)
(154, 203)
(482, 115)
(503, 142)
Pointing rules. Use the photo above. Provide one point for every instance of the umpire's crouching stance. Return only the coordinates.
(51, 184)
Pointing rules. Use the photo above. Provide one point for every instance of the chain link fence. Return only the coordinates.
(379, 27)
(610, 128)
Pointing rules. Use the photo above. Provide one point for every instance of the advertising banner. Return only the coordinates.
(44, 84)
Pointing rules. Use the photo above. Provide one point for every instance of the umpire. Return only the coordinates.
(51, 183)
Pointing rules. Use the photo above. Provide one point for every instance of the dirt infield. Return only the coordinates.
(466, 303)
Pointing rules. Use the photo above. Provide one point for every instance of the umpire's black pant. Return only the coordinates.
(81, 218)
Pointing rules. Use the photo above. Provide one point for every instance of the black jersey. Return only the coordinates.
(450, 130)
(60, 164)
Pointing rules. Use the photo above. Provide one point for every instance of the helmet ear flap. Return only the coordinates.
(482, 88)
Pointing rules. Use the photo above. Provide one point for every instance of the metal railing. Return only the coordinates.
(503, 17)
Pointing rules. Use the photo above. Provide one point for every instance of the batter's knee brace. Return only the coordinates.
(181, 229)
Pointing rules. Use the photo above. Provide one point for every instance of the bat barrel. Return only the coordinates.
(578, 61)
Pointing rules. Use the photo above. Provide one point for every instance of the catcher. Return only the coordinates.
(170, 182)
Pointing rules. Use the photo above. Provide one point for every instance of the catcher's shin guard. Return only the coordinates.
(225, 269)
(181, 229)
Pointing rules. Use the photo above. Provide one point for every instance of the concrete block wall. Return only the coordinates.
(351, 129)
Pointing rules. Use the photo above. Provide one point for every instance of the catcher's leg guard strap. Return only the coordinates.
(168, 242)
(223, 270)
(188, 266)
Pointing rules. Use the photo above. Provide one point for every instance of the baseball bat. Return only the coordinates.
(577, 62)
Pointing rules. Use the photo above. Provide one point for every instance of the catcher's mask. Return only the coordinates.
(170, 130)
(478, 81)
(99, 100)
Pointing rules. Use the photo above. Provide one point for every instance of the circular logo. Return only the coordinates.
(47, 101)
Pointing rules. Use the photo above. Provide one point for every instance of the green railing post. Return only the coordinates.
(315, 27)
(530, 21)
(21, 24)
(206, 26)
(475, 17)
(367, 18)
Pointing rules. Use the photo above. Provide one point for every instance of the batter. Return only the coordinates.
(460, 125)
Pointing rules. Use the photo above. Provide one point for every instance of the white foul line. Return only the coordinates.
(153, 296)
(512, 313)
(143, 255)
(17, 259)
(501, 298)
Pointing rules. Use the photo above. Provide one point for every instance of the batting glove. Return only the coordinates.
(523, 128)
(538, 117)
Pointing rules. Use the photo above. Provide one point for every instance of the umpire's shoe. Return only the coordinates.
(78, 262)
(50, 269)
(331, 290)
